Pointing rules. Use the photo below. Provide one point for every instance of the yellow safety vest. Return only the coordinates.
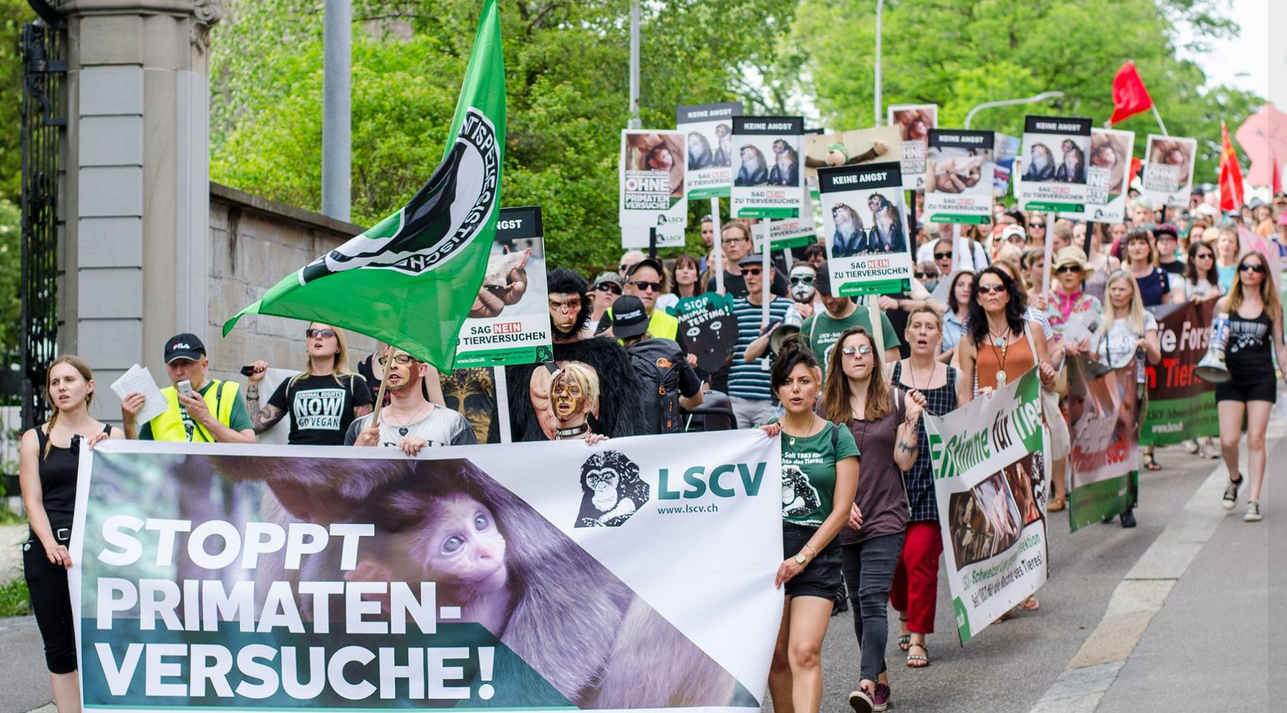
(169, 425)
(660, 324)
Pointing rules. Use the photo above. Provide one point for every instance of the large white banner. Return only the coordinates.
(990, 462)
(633, 574)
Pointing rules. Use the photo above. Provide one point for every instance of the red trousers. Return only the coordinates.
(915, 591)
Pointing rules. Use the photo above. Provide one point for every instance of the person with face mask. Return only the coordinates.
(803, 293)
(410, 422)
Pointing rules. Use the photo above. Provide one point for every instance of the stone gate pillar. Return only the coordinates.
(137, 193)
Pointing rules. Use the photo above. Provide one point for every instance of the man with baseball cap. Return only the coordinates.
(197, 410)
(668, 378)
(646, 280)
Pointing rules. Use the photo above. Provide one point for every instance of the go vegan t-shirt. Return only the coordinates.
(320, 408)
(809, 474)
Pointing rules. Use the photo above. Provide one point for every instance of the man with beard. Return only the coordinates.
(619, 411)
(409, 422)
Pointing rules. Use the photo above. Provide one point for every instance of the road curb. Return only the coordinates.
(1141, 594)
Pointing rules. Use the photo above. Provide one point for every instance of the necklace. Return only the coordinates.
(1000, 344)
(791, 438)
(572, 432)
(402, 427)
(911, 370)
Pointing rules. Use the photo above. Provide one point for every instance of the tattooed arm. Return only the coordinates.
(907, 444)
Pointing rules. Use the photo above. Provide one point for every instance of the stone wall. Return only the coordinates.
(254, 243)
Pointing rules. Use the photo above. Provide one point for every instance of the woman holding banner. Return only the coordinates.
(48, 463)
(1128, 336)
(1255, 318)
(820, 477)
(884, 425)
(915, 589)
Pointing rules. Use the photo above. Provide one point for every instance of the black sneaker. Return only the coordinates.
(1128, 518)
(839, 605)
(1230, 498)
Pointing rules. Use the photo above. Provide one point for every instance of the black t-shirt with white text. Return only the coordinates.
(320, 408)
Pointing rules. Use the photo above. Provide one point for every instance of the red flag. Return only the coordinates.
(1230, 173)
(1136, 166)
(1129, 95)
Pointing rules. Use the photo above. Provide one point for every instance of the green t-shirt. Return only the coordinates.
(239, 418)
(822, 330)
(809, 474)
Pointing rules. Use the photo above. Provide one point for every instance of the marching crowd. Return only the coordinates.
(839, 390)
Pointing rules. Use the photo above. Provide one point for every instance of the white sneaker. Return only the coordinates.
(1253, 512)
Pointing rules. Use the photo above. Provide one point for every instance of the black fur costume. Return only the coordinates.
(620, 408)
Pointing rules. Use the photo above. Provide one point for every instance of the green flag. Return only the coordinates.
(411, 280)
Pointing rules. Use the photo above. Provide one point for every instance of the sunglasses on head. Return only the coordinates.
(399, 359)
(1067, 268)
(609, 287)
(646, 285)
(1250, 267)
(863, 349)
(323, 333)
(752, 270)
(994, 287)
(943, 256)
(802, 280)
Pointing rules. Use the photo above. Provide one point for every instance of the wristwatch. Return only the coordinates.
(800, 559)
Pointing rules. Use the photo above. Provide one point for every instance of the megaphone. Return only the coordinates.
(1212, 367)
(789, 326)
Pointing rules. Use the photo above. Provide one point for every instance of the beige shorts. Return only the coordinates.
(1060, 440)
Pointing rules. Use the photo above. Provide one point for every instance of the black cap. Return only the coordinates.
(647, 262)
(184, 346)
(822, 285)
(753, 259)
(1168, 229)
(629, 318)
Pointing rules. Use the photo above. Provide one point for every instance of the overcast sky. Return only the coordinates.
(1244, 62)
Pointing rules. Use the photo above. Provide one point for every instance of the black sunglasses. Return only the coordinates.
(609, 287)
(1067, 268)
(802, 280)
(323, 333)
(996, 287)
(1248, 267)
(925, 275)
(1037, 225)
(752, 270)
(941, 256)
(646, 285)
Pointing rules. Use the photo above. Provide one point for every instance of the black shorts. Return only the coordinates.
(821, 577)
(1263, 390)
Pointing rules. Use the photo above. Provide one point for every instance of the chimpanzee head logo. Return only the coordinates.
(611, 490)
(799, 497)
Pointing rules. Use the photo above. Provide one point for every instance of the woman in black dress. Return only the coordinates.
(48, 459)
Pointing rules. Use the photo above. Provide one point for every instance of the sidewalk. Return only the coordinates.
(11, 539)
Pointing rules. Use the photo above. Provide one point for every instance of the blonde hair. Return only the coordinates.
(1210, 235)
(1134, 313)
(339, 364)
(581, 376)
(85, 372)
(1232, 301)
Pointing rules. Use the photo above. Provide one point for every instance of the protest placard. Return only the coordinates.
(1181, 406)
(787, 233)
(913, 122)
(707, 328)
(990, 463)
(1107, 176)
(768, 178)
(848, 148)
(526, 576)
(1005, 148)
(1054, 164)
(510, 321)
(864, 222)
(1168, 170)
(651, 178)
(959, 176)
(1104, 416)
(710, 147)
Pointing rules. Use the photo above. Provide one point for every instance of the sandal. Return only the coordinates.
(1056, 504)
(1150, 463)
(918, 660)
(904, 641)
(1030, 604)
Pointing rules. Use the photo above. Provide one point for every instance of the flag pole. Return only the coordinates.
(384, 384)
(719, 246)
(1159, 119)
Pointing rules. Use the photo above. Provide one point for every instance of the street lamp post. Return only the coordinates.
(1044, 96)
(880, 6)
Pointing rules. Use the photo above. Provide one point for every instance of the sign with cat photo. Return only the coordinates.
(709, 128)
(525, 576)
(768, 180)
(509, 322)
(864, 222)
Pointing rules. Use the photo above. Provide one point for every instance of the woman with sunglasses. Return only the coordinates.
(684, 277)
(1000, 342)
(321, 401)
(1067, 298)
(1036, 230)
(1255, 340)
(820, 475)
(48, 463)
(883, 423)
(915, 587)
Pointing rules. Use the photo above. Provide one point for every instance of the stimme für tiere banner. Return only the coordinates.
(913, 122)
(959, 176)
(509, 323)
(710, 147)
(864, 222)
(990, 462)
(1180, 405)
(526, 576)
(1104, 419)
(1168, 169)
(768, 175)
(651, 178)
(1053, 164)
(1108, 176)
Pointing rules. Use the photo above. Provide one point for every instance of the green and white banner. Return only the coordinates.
(1180, 405)
(1103, 467)
(632, 574)
(990, 464)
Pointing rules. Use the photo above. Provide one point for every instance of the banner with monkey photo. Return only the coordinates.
(990, 463)
(626, 575)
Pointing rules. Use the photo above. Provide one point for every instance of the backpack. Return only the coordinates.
(657, 362)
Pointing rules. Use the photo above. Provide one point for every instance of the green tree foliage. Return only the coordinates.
(960, 53)
(13, 14)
